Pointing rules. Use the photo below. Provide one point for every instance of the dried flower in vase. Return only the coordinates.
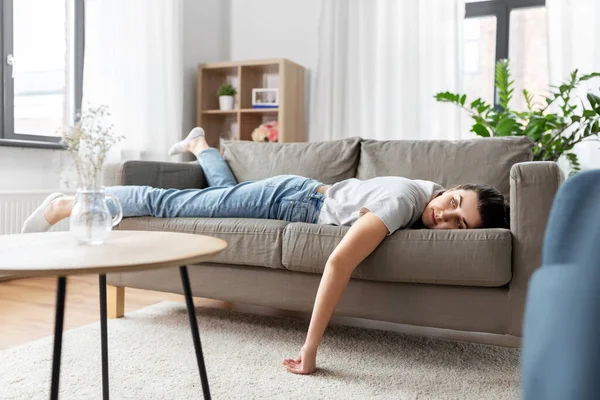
(88, 140)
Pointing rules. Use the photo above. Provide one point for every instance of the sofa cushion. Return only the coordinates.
(449, 163)
(328, 162)
(255, 242)
(470, 257)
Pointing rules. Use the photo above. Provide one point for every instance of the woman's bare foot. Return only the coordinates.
(58, 209)
(305, 364)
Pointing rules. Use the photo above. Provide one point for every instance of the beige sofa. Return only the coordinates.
(465, 284)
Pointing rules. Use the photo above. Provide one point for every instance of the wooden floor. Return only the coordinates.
(27, 306)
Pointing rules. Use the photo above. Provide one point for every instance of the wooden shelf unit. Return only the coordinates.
(219, 111)
(244, 110)
(283, 74)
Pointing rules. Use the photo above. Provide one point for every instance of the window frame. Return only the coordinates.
(8, 137)
(501, 9)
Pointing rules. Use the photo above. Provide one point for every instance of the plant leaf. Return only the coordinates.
(448, 97)
(483, 108)
(574, 161)
(589, 76)
(480, 130)
(503, 83)
(505, 126)
(593, 99)
(528, 99)
(546, 138)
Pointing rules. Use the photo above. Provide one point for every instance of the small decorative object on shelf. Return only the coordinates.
(226, 95)
(265, 98)
(267, 132)
(88, 140)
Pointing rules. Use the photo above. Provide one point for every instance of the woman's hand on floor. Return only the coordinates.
(306, 363)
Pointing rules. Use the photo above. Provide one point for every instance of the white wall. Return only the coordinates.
(206, 33)
(277, 29)
(206, 39)
(30, 169)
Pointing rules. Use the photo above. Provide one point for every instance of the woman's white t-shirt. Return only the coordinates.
(398, 202)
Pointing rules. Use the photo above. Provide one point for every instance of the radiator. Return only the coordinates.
(15, 207)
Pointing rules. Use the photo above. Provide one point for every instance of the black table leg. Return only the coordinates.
(61, 286)
(185, 281)
(104, 337)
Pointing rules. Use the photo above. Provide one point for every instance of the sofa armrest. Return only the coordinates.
(533, 186)
(166, 175)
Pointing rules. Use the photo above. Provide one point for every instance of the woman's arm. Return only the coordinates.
(360, 241)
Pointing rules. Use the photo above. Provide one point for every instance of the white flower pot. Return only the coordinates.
(226, 102)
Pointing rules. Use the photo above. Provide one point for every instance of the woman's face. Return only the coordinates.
(454, 209)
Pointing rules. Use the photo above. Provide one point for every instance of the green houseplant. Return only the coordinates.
(555, 126)
(226, 95)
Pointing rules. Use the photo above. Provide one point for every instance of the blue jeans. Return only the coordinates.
(285, 197)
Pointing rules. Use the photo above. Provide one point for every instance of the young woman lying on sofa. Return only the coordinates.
(374, 209)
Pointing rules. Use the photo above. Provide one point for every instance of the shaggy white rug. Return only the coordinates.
(151, 357)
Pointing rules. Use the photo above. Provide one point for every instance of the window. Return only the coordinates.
(42, 66)
(514, 29)
(479, 62)
(528, 53)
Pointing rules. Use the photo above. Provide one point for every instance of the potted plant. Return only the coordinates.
(554, 126)
(226, 95)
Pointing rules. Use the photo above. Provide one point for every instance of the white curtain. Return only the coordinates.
(574, 43)
(134, 64)
(379, 65)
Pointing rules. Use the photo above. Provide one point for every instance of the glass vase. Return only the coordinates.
(91, 220)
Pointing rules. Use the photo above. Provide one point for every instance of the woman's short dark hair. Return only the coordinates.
(492, 207)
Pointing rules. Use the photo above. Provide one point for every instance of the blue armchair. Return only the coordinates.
(560, 356)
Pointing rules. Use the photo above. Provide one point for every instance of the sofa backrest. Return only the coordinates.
(328, 162)
(449, 163)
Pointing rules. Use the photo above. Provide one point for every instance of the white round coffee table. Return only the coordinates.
(58, 254)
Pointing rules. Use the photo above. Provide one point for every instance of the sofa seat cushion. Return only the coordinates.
(256, 242)
(471, 257)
